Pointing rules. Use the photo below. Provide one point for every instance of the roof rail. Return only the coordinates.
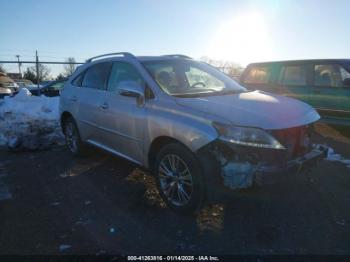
(125, 54)
(179, 56)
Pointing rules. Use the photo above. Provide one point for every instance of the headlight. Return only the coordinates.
(247, 136)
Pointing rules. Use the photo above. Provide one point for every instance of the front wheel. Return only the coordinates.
(179, 178)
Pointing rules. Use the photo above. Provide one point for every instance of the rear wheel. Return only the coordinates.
(179, 178)
(72, 136)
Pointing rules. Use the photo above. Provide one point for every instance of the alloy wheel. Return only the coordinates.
(175, 180)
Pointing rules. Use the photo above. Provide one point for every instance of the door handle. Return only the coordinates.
(104, 106)
(73, 99)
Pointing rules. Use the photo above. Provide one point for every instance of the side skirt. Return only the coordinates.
(114, 152)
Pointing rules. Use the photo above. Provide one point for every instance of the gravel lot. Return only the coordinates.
(52, 203)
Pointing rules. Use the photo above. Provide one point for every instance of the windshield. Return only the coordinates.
(180, 77)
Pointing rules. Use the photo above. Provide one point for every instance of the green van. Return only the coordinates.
(324, 84)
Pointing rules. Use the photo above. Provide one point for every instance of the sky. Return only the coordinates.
(238, 31)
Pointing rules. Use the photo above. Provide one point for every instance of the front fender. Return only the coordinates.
(192, 130)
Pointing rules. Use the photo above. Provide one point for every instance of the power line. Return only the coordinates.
(82, 54)
(42, 62)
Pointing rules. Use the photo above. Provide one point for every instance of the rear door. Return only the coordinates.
(294, 81)
(123, 119)
(90, 100)
(329, 93)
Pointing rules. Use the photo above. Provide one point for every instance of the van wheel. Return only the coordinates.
(179, 179)
(72, 137)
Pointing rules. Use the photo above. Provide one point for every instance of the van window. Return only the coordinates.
(294, 75)
(97, 75)
(258, 75)
(330, 75)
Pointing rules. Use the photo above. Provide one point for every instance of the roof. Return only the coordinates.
(126, 55)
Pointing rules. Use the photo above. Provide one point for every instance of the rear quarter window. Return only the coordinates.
(77, 81)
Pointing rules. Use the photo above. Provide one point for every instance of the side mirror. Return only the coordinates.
(346, 82)
(132, 89)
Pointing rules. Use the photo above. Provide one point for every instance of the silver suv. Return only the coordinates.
(198, 131)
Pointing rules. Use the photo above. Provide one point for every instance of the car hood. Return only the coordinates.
(255, 109)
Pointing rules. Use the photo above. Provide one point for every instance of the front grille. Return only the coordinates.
(296, 140)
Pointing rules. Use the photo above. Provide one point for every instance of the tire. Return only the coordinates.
(72, 137)
(179, 180)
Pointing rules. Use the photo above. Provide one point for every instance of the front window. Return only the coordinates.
(180, 77)
(123, 72)
(96, 76)
(330, 75)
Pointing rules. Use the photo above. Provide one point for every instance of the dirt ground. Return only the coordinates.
(53, 203)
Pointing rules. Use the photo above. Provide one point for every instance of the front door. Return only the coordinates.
(123, 119)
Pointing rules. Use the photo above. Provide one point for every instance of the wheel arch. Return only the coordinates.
(157, 144)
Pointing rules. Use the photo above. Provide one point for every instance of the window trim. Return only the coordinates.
(327, 63)
(283, 71)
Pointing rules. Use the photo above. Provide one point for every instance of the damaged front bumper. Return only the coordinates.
(241, 167)
(267, 174)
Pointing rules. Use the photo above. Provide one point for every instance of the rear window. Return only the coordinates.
(294, 75)
(57, 86)
(97, 76)
(258, 75)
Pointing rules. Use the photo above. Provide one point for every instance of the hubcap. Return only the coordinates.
(175, 180)
(71, 137)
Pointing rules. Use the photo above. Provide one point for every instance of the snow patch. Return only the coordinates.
(30, 122)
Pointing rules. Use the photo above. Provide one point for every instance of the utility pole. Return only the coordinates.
(19, 66)
(37, 70)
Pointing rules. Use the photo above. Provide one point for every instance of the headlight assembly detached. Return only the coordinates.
(247, 136)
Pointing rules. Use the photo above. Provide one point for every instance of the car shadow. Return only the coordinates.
(104, 202)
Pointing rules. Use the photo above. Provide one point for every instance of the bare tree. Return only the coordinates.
(30, 73)
(69, 68)
(60, 76)
(230, 68)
